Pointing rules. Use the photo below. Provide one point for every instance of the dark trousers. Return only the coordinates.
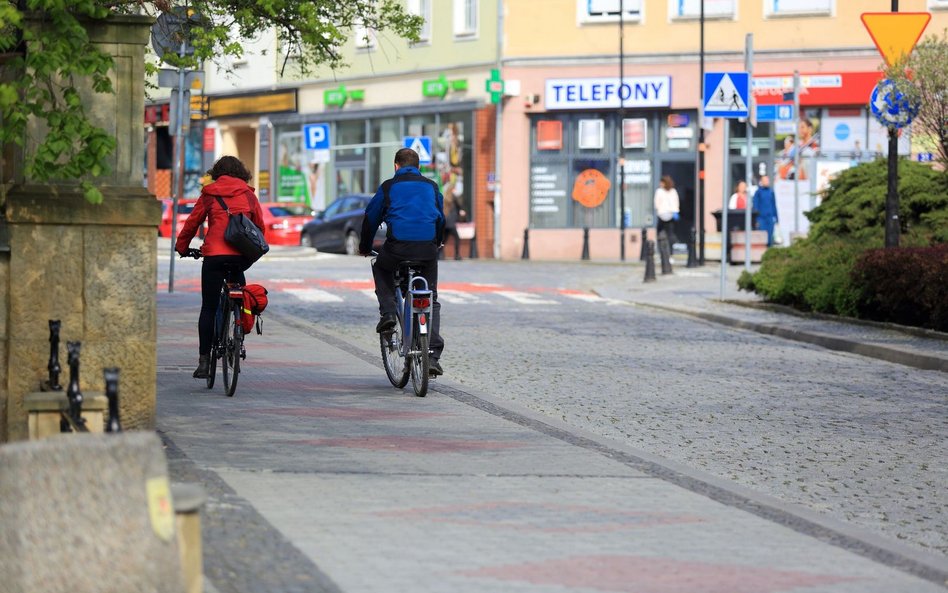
(390, 254)
(669, 227)
(452, 232)
(213, 272)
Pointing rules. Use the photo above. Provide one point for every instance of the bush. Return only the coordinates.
(908, 285)
(819, 273)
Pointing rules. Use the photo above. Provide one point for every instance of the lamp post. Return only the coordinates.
(621, 126)
(699, 216)
(892, 228)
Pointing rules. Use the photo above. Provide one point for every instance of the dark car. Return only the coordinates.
(336, 229)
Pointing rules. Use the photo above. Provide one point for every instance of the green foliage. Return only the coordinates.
(816, 274)
(922, 75)
(46, 48)
(853, 204)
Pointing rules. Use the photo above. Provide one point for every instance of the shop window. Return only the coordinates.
(679, 132)
(549, 135)
(293, 180)
(422, 8)
(598, 216)
(591, 134)
(635, 133)
(691, 9)
(465, 18)
(797, 7)
(593, 11)
(350, 140)
(549, 194)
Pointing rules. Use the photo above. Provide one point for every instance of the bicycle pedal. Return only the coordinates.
(243, 355)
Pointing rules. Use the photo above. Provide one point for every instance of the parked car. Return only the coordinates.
(284, 221)
(337, 228)
(184, 209)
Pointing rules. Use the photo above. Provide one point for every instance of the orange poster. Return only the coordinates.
(591, 188)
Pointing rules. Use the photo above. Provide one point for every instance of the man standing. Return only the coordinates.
(765, 203)
(413, 208)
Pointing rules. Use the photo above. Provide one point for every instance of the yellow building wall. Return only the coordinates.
(536, 28)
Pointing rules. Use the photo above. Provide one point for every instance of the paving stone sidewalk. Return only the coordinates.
(321, 477)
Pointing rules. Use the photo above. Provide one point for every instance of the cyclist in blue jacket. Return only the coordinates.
(412, 207)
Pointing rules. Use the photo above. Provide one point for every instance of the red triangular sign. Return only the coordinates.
(895, 33)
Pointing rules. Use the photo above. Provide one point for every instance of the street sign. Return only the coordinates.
(774, 113)
(316, 136)
(421, 145)
(890, 106)
(895, 33)
(726, 94)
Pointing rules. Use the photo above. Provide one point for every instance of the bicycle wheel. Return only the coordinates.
(396, 368)
(418, 361)
(235, 343)
(215, 352)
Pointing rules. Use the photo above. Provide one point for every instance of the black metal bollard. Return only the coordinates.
(643, 253)
(473, 253)
(111, 392)
(75, 422)
(664, 252)
(692, 255)
(526, 244)
(649, 261)
(52, 383)
(585, 255)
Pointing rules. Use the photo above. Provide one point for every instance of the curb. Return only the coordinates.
(886, 353)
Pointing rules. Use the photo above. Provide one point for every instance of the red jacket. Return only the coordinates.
(239, 198)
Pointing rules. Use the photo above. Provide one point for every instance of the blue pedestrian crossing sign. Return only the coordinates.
(726, 94)
(421, 145)
(316, 136)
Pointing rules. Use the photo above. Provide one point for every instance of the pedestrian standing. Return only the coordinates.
(667, 207)
(765, 203)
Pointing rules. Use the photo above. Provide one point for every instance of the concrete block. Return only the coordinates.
(87, 513)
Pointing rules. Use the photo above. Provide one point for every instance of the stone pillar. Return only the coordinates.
(92, 266)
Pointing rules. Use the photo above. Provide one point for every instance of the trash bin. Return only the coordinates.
(736, 220)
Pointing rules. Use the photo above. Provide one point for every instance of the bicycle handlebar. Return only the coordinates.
(191, 252)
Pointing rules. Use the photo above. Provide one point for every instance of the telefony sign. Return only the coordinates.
(608, 93)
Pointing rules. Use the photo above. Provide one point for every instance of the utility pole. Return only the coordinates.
(699, 211)
(621, 148)
(749, 173)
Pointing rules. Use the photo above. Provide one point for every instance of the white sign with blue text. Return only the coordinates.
(316, 136)
(726, 94)
(421, 145)
(607, 93)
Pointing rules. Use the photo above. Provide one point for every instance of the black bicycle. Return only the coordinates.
(227, 344)
(405, 348)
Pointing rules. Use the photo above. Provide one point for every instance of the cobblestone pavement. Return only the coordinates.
(854, 439)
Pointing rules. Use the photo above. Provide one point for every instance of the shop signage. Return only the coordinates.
(338, 97)
(782, 112)
(819, 90)
(547, 188)
(438, 87)
(608, 93)
(495, 86)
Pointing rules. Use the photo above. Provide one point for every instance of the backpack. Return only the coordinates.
(255, 301)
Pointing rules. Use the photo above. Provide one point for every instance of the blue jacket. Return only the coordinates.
(412, 207)
(765, 203)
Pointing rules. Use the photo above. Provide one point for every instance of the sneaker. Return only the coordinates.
(387, 323)
(434, 368)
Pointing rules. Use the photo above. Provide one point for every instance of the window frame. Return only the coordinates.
(771, 13)
(632, 15)
(673, 15)
(424, 9)
(463, 29)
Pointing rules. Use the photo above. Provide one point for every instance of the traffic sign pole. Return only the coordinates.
(749, 173)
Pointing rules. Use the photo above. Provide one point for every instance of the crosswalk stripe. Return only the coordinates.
(456, 296)
(313, 295)
(525, 298)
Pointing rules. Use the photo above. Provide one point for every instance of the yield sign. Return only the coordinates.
(895, 33)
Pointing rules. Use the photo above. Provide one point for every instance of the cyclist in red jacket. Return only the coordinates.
(230, 180)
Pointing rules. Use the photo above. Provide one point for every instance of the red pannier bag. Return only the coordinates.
(255, 301)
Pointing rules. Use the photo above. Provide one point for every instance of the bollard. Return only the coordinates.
(72, 419)
(643, 253)
(473, 253)
(585, 255)
(649, 262)
(664, 252)
(111, 392)
(526, 244)
(52, 383)
(692, 255)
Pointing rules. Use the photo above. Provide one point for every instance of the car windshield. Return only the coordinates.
(289, 210)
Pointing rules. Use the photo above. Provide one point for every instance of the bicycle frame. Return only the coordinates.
(418, 304)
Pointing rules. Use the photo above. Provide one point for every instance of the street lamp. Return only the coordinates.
(619, 148)
(699, 216)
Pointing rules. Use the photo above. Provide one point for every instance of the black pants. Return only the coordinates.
(213, 272)
(669, 227)
(452, 232)
(390, 254)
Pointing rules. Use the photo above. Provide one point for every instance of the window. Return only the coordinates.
(797, 7)
(938, 4)
(591, 134)
(591, 11)
(422, 8)
(691, 9)
(364, 37)
(465, 18)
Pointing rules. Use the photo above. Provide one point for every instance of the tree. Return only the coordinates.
(46, 58)
(923, 77)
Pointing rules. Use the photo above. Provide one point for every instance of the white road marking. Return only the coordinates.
(456, 296)
(370, 292)
(525, 298)
(313, 295)
(591, 298)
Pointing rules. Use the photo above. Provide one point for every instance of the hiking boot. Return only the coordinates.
(434, 368)
(204, 367)
(387, 323)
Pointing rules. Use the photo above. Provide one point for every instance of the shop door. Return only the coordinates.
(683, 174)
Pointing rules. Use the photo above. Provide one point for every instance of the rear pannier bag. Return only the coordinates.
(255, 301)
